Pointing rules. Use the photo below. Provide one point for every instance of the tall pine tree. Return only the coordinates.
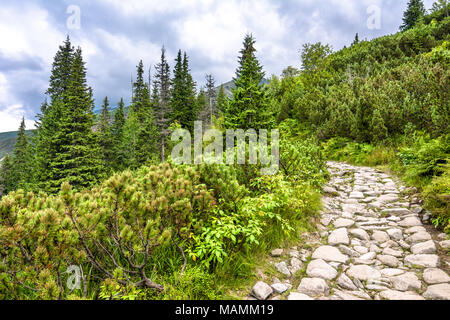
(249, 106)
(6, 177)
(71, 145)
(182, 102)
(22, 160)
(161, 101)
(414, 12)
(105, 136)
(117, 137)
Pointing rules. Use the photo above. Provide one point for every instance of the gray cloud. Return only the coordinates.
(116, 34)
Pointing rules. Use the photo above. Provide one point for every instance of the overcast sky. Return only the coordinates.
(116, 34)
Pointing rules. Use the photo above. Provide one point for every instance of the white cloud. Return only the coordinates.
(11, 116)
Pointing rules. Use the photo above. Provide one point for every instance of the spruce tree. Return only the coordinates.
(22, 160)
(78, 158)
(6, 177)
(141, 128)
(249, 106)
(105, 135)
(356, 41)
(47, 147)
(161, 101)
(211, 97)
(221, 100)
(117, 137)
(182, 102)
(414, 12)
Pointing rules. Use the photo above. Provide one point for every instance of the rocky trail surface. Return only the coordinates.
(371, 245)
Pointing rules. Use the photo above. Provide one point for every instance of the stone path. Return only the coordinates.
(372, 246)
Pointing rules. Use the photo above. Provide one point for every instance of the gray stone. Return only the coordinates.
(389, 272)
(445, 244)
(406, 282)
(348, 251)
(276, 252)
(298, 296)
(418, 237)
(396, 212)
(368, 256)
(345, 282)
(295, 262)
(320, 269)
(262, 290)
(360, 234)
(424, 248)
(390, 261)
(410, 222)
(398, 295)
(438, 292)
(395, 234)
(313, 287)
(282, 268)
(392, 252)
(343, 223)
(361, 249)
(363, 272)
(380, 236)
(280, 288)
(435, 276)
(424, 260)
(356, 195)
(346, 296)
(415, 229)
(329, 253)
(339, 236)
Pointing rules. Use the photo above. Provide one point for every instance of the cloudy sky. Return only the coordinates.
(116, 34)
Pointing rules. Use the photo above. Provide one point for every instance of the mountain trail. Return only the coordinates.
(372, 245)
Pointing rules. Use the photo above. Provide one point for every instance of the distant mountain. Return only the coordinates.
(8, 141)
(230, 85)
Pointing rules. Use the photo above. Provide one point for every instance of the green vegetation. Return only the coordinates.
(103, 194)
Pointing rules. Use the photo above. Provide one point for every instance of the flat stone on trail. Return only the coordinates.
(276, 252)
(380, 236)
(329, 253)
(445, 244)
(423, 260)
(343, 223)
(298, 296)
(396, 211)
(280, 288)
(320, 269)
(424, 248)
(339, 236)
(389, 261)
(398, 295)
(363, 272)
(435, 276)
(438, 292)
(406, 282)
(282, 268)
(360, 234)
(356, 195)
(418, 237)
(313, 286)
(346, 283)
(392, 252)
(410, 222)
(415, 229)
(389, 272)
(395, 234)
(262, 290)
